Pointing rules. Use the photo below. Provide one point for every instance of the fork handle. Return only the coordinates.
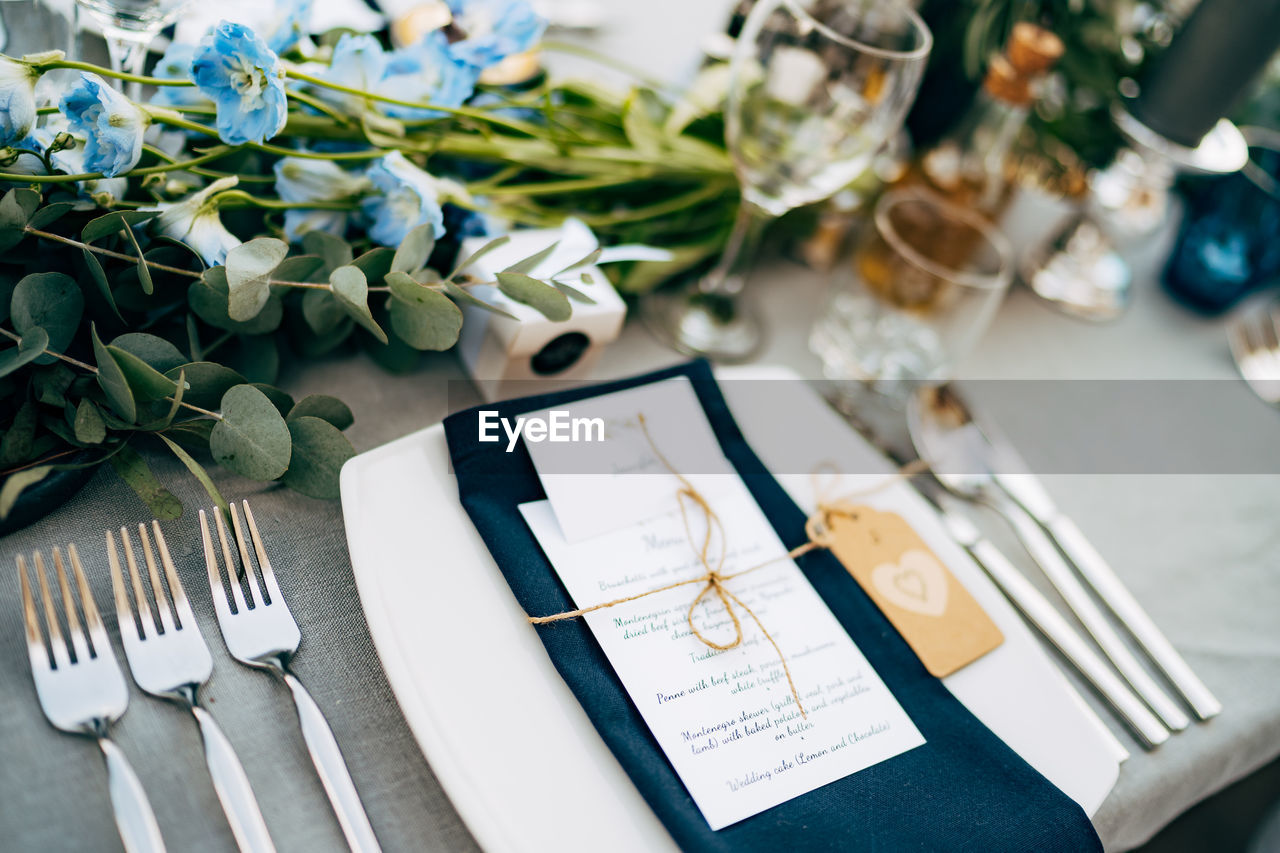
(232, 787)
(134, 818)
(333, 770)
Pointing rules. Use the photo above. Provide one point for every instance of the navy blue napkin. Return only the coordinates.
(962, 790)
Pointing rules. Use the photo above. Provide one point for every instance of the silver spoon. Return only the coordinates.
(964, 461)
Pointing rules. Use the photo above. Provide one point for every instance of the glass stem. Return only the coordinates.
(128, 52)
(727, 277)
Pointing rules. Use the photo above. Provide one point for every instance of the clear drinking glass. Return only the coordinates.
(928, 277)
(129, 26)
(817, 86)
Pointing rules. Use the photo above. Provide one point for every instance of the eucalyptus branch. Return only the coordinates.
(108, 253)
(74, 362)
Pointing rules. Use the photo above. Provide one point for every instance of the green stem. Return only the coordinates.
(107, 72)
(240, 198)
(317, 104)
(464, 112)
(207, 173)
(178, 165)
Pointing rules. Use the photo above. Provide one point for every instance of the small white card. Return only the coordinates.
(726, 719)
(598, 486)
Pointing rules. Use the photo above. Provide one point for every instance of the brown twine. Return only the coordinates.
(817, 531)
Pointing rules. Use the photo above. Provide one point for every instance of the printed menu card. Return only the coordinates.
(726, 719)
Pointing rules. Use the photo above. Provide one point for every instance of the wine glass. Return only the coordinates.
(129, 26)
(816, 88)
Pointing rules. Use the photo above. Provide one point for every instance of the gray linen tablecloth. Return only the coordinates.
(1201, 552)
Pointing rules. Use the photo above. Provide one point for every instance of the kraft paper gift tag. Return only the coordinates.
(934, 613)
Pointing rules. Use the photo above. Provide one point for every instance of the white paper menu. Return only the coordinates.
(726, 720)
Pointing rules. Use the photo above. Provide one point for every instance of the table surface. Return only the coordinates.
(1200, 551)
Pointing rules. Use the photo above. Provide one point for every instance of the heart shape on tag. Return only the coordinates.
(917, 582)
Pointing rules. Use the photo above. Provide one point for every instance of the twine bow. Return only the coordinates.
(713, 579)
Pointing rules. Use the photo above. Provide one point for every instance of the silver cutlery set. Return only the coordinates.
(82, 689)
(972, 464)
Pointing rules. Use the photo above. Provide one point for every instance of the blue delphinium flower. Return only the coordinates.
(406, 197)
(176, 65)
(112, 126)
(426, 72)
(494, 30)
(195, 222)
(71, 160)
(245, 80)
(301, 180)
(17, 99)
(358, 62)
(291, 26)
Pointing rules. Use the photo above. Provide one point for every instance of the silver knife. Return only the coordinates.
(1026, 490)
(1038, 611)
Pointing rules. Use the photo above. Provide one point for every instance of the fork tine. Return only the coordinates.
(78, 643)
(36, 648)
(245, 562)
(124, 610)
(147, 623)
(92, 618)
(180, 602)
(264, 562)
(219, 592)
(61, 657)
(157, 588)
(237, 593)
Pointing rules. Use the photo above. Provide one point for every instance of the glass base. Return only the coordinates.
(716, 326)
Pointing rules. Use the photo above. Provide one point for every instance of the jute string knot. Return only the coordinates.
(714, 580)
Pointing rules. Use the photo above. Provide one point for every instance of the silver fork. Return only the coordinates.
(169, 659)
(82, 690)
(260, 631)
(1255, 345)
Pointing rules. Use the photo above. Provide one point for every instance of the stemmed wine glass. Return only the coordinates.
(129, 26)
(816, 88)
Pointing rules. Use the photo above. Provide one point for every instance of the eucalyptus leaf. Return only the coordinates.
(251, 438)
(133, 469)
(16, 483)
(325, 408)
(175, 405)
(99, 276)
(15, 210)
(588, 260)
(531, 263)
(348, 284)
(89, 426)
(280, 399)
(50, 213)
(19, 441)
(50, 384)
(144, 271)
(206, 382)
(32, 345)
(321, 311)
(209, 297)
(333, 251)
(193, 433)
(461, 294)
(154, 350)
(422, 317)
(319, 451)
(298, 268)
(196, 469)
(572, 292)
(375, 263)
(113, 223)
(52, 301)
(145, 381)
(470, 260)
(414, 250)
(112, 380)
(538, 295)
(248, 269)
